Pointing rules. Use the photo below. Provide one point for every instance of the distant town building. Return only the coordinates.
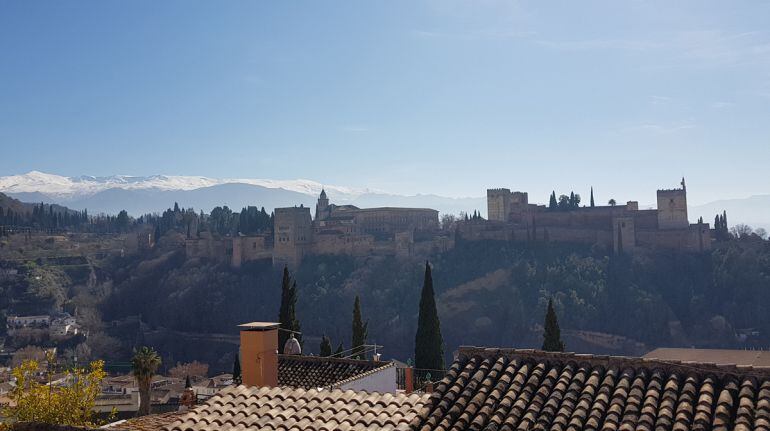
(58, 325)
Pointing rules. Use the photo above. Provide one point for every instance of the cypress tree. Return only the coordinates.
(340, 349)
(429, 345)
(718, 226)
(552, 203)
(359, 331)
(237, 370)
(552, 334)
(592, 197)
(286, 314)
(325, 349)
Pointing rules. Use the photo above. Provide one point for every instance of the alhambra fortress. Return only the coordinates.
(416, 232)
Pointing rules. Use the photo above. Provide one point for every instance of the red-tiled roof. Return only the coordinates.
(153, 422)
(507, 389)
(253, 408)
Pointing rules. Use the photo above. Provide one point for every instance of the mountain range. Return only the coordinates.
(141, 195)
(147, 194)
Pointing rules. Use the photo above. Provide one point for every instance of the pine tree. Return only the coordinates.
(359, 331)
(592, 197)
(237, 379)
(429, 345)
(325, 349)
(286, 314)
(552, 334)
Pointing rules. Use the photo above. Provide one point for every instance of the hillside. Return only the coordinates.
(15, 205)
(488, 292)
(491, 293)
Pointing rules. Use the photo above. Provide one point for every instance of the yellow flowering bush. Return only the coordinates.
(68, 401)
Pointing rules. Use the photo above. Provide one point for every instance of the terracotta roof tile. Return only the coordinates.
(314, 372)
(299, 409)
(496, 389)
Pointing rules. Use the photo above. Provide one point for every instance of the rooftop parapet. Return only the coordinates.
(500, 190)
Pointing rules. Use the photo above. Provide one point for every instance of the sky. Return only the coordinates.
(448, 97)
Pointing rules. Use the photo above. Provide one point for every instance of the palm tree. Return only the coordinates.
(144, 364)
(612, 202)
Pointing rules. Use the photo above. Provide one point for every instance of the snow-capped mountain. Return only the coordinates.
(60, 187)
(140, 195)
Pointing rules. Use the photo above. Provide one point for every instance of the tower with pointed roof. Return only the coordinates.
(322, 207)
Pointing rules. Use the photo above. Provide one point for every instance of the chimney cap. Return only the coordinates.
(259, 326)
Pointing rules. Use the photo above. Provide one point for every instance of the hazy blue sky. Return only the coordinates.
(447, 97)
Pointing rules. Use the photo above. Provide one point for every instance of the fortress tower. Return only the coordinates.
(293, 235)
(498, 204)
(322, 207)
(501, 203)
(672, 208)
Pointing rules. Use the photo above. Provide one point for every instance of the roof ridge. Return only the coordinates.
(330, 359)
(364, 374)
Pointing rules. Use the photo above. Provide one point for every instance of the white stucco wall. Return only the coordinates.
(379, 381)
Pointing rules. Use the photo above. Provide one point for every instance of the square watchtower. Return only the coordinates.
(672, 208)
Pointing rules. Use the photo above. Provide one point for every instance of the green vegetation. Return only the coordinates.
(44, 402)
(552, 334)
(325, 348)
(237, 378)
(564, 202)
(144, 365)
(428, 344)
(359, 331)
(287, 315)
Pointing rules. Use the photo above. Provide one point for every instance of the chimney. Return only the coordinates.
(409, 379)
(259, 353)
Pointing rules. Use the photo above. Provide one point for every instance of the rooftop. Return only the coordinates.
(508, 389)
(743, 358)
(241, 407)
(314, 372)
(495, 389)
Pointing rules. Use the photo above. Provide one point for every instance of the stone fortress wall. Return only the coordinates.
(619, 227)
(415, 232)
